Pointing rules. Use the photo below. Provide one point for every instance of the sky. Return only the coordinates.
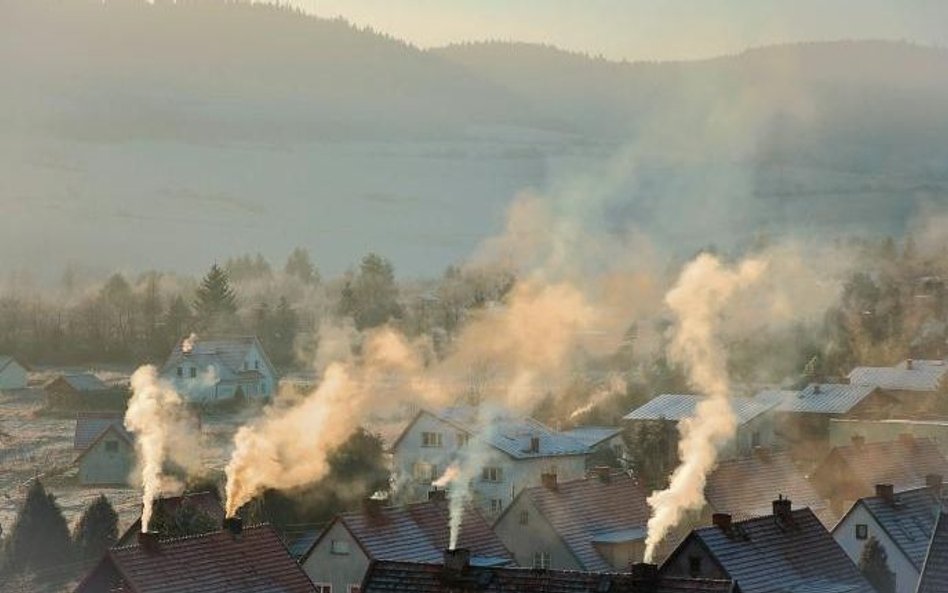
(645, 29)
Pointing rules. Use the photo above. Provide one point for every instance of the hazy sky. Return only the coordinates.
(645, 29)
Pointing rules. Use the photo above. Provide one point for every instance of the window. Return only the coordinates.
(355, 588)
(524, 517)
(323, 587)
(339, 546)
(111, 446)
(755, 439)
(256, 365)
(694, 565)
(862, 531)
(492, 474)
(180, 372)
(463, 438)
(194, 372)
(541, 560)
(424, 472)
(431, 439)
(496, 506)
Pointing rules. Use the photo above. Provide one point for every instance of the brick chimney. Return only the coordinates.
(722, 521)
(603, 472)
(645, 573)
(858, 440)
(437, 494)
(817, 389)
(456, 562)
(886, 492)
(783, 509)
(548, 481)
(148, 541)
(372, 507)
(935, 483)
(234, 525)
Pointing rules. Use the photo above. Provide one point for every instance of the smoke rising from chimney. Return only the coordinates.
(187, 345)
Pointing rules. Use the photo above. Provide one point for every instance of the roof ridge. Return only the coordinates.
(194, 536)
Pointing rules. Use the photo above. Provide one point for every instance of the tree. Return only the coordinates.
(371, 296)
(39, 539)
(185, 519)
(215, 297)
(97, 529)
(652, 450)
(874, 564)
(299, 265)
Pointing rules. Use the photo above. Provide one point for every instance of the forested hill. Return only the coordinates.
(233, 120)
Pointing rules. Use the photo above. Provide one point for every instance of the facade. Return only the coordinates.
(106, 451)
(251, 560)
(341, 555)
(786, 551)
(13, 375)
(903, 523)
(594, 524)
(755, 420)
(514, 453)
(220, 369)
(852, 471)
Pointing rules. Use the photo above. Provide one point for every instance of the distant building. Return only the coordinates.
(456, 574)
(601, 438)
(340, 557)
(83, 391)
(789, 550)
(755, 421)
(106, 451)
(593, 524)
(13, 375)
(852, 471)
(251, 560)
(216, 369)
(902, 522)
(170, 508)
(520, 452)
(920, 385)
(934, 577)
(842, 430)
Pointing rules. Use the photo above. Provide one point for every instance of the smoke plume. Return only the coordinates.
(698, 302)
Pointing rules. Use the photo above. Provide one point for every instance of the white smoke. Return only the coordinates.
(187, 346)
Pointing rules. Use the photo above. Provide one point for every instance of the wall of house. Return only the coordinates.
(622, 556)
(524, 541)
(102, 467)
(410, 452)
(338, 569)
(13, 376)
(906, 575)
(679, 563)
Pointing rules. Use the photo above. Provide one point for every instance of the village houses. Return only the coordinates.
(106, 450)
(919, 385)
(218, 369)
(13, 375)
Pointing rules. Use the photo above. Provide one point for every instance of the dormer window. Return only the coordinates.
(194, 372)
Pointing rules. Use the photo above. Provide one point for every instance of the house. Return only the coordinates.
(601, 440)
(745, 487)
(755, 423)
(919, 385)
(903, 524)
(786, 551)
(193, 508)
(850, 472)
(13, 375)
(106, 450)
(518, 452)
(250, 560)
(593, 524)
(934, 577)
(340, 557)
(456, 574)
(207, 370)
(842, 430)
(83, 391)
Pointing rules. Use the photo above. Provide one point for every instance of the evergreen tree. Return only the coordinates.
(177, 322)
(39, 539)
(215, 297)
(97, 529)
(371, 297)
(299, 265)
(874, 564)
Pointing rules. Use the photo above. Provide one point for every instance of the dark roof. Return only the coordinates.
(909, 521)
(904, 463)
(417, 532)
(218, 562)
(227, 351)
(83, 382)
(405, 577)
(92, 425)
(764, 555)
(204, 502)
(746, 487)
(589, 511)
(934, 577)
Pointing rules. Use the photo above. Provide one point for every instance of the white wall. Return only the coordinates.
(906, 576)
(13, 377)
(101, 467)
(340, 570)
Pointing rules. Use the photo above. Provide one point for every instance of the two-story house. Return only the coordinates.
(215, 369)
(517, 453)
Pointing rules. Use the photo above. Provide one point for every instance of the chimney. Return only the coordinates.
(783, 509)
(907, 439)
(548, 481)
(148, 541)
(858, 440)
(886, 492)
(234, 525)
(722, 521)
(534, 445)
(372, 507)
(456, 561)
(908, 364)
(934, 483)
(437, 494)
(603, 472)
(816, 388)
(645, 573)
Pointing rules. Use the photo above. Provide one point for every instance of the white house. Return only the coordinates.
(12, 374)
(512, 454)
(207, 370)
(902, 522)
(106, 451)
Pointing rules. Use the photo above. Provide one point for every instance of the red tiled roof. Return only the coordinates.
(405, 577)
(746, 487)
(582, 510)
(254, 562)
